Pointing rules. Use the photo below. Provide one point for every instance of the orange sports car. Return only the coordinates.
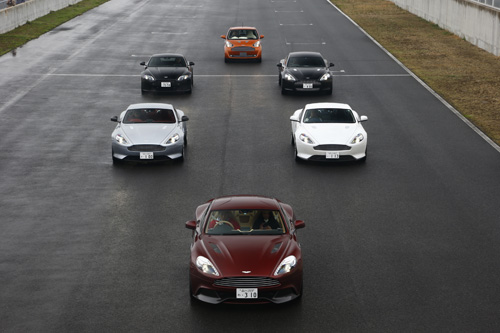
(242, 43)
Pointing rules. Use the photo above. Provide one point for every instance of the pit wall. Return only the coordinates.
(13, 17)
(476, 23)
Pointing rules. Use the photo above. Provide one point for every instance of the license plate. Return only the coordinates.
(332, 154)
(166, 84)
(247, 293)
(307, 85)
(243, 54)
(146, 155)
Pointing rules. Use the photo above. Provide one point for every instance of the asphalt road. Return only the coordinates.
(408, 242)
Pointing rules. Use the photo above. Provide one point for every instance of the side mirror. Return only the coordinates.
(184, 118)
(223, 36)
(143, 63)
(331, 64)
(280, 65)
(299, 224)
(191, 225)
(191, 63)
(294, 118)
(114, 118)
(363, 118)
(261, 36)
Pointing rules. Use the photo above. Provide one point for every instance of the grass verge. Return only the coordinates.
(466, 76)
(15, 38)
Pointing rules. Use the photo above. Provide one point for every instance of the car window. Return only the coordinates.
(244, 222)
(134, 116)
(243, 34)
(328, 116)
(167, 62)
(306, 62)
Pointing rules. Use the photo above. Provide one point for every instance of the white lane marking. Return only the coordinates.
(435, 94)
(221, 75)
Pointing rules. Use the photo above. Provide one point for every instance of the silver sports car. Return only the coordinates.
(149, 132)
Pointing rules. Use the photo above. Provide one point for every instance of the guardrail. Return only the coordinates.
(492, 3)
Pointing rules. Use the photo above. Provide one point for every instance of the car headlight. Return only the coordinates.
(257, 44)
(148, 77)
(206, 266)
(121, 139)
(183, 77)
(358, 138)
(325, 77)
(304, 138)
(173, 139)
(228, 44)
(286, 265)
(289, 77)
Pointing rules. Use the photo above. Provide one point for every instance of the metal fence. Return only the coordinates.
(492, 3)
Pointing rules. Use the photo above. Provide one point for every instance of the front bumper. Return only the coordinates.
(243, 53)
(314, 152)
(205, 289)
(166, 85)
(160, 152)
(307, 85)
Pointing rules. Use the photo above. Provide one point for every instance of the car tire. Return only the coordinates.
(226, 60)
(297, 158)
(363, 159)
(283, 91)
(293, 140)
(116, 161)
(279, 80)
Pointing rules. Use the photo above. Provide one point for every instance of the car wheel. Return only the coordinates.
(279, 80)
(297, 158)
(363, 159)
(283, 91)
(293, 140)
(181, 159)
(185, 139)
(329, 92)
(226, 60)
(116, 161)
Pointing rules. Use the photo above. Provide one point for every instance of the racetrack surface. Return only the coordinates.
(408, 241)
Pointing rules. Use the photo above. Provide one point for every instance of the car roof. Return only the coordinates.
(327, 106)
(305, 54)
(167, 55)
(245, 202)
(242, 27)
(150, 106)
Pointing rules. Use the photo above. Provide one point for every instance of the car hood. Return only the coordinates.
(254, 254)
(243, 42)
(307, 73)
(331, 133)
(167, 72)
(148, 133)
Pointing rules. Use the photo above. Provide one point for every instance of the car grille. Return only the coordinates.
(332, 147)
(146, 148)
(242, 48)
(247, 282)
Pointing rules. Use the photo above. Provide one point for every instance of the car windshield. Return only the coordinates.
(134, 116)
(304, 61)
(242, 34)
(244, 222)
(328, 116)
(171, 61)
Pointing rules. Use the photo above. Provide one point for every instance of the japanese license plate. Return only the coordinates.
(307, 85)
(332, 154)
(146, 155)
(247, 293)
(166, 84)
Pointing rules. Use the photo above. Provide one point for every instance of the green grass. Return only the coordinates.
(31, 30)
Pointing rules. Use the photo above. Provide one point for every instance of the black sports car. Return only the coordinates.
(305, 71)
(167, 72)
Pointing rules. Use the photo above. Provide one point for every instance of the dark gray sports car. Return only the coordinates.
(305, 71)
(167, 72)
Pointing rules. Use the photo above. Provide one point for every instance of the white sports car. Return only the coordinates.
(328, 132)
(149, 132)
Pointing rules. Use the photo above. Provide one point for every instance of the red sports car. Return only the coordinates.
(245, 250)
